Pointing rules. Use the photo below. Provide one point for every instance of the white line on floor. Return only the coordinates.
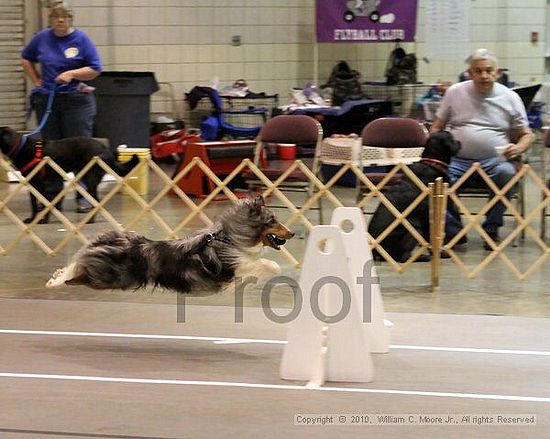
(228, 340)
(143, 336)
(273, 386)
(471, 350)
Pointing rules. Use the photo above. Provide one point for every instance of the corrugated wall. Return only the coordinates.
(12, 83)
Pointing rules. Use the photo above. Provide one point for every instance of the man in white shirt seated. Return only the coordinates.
(484, 116)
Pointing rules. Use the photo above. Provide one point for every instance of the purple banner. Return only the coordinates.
(365, 21)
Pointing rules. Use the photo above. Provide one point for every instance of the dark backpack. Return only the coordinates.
(401, 67)
(345, 84)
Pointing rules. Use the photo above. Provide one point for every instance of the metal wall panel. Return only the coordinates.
(12, 77)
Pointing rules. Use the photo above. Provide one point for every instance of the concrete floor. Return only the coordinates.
(92, 369)
(81, 383)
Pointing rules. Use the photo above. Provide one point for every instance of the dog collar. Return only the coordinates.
(434, 163)
(215, 236)
(38, 155)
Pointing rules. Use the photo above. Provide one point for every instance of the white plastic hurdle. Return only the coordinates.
(337, 348)
(360, 259)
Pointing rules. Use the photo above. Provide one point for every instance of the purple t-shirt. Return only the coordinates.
(59, 54)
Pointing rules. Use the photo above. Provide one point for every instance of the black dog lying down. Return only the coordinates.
(72, 154)
(436, 157)
(206, 261)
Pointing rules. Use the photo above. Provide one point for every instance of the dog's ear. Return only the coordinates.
(456, 147)
(254, 204)
(259, 200)
(8, 136)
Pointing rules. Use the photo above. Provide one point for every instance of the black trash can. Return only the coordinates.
(123, 107)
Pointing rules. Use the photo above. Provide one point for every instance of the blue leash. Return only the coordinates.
(49, 105)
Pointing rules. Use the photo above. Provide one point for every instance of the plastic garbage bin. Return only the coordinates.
(123, 107)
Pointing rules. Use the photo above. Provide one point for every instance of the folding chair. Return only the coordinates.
(387, 142)
(300, 130)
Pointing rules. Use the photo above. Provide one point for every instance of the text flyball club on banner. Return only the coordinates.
(367, 21)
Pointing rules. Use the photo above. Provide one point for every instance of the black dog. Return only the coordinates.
(72, 154)
(436, 156)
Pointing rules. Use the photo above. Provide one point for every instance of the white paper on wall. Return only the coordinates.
(447, 29)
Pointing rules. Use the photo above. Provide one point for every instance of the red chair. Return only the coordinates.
(389, 141)
(301, 130)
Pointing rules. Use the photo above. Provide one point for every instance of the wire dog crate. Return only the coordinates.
(403, 97)
(239, 111)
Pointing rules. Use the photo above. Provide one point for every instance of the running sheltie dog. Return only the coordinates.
(205, 261)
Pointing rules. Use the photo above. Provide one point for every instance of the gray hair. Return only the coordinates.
(60, 6)
(483, 54)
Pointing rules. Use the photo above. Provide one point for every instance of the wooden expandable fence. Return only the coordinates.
(320, 192)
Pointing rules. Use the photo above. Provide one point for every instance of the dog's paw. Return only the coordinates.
(30, 219)
(270, 267)
(262, 268)
(57, 279)
(424, 257)
(60, 276)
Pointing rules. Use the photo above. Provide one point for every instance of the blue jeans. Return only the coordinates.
(72, 114)
(500, 171)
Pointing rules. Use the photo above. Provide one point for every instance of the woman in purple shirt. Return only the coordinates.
(67, 57)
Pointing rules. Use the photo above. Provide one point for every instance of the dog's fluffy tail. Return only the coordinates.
(121, 168)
